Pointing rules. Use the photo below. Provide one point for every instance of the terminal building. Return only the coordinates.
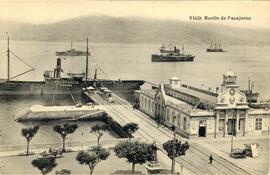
(198, 113)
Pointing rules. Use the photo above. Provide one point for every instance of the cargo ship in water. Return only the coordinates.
(215, 48)
(172, 54)
(56, 84)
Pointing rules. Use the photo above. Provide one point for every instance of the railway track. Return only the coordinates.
(196, 161)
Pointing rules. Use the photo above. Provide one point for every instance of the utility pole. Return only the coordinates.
(173, 156)
(86, 69)
(8, 61)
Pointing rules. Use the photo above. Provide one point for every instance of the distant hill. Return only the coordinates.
(134, 30)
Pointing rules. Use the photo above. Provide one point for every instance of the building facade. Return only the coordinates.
(196, 112)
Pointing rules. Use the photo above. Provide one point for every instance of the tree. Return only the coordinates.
(134, 152)
(64, 131)
(175, 148)
(92, 158)
(44, 164)
(98, 130)
(130, 128)
(29, 133)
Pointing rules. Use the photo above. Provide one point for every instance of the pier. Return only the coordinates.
(196, 159)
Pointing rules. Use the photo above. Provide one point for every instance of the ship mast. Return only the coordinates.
(249, 83)
(71, 45)
(183, 48)
(86, 69)
(8, 60)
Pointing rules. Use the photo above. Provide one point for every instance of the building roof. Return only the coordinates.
(258, 111)
(204, 97)
(150, 92)
(174, 78)
(229, 74)
(182, 104)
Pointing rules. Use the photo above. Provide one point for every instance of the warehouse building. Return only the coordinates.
(200, 113)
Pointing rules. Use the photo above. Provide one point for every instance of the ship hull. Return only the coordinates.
(215, 50)
(61, 87)
(162, 58)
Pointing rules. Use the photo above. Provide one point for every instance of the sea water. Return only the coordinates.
(124, 61)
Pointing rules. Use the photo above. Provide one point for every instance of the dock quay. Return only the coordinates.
(41, 113)
(194, 162)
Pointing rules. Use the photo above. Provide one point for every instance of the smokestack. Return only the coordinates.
(57, 70)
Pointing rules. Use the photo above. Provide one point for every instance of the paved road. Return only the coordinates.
(196, 159)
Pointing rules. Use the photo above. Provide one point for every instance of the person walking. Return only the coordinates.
(211, 159)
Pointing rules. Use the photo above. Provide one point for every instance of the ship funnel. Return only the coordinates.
(57, 70)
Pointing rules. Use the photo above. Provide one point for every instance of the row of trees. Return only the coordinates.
(134, 152)
(64, 130)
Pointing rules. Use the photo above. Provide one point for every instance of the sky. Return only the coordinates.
(50, 11)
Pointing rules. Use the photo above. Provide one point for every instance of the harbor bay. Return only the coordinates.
(133, 61)
(130, 61)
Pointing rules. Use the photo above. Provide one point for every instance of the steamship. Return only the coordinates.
(55, 84)
(171, 54)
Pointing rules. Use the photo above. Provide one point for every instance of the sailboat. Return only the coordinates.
(215, 49)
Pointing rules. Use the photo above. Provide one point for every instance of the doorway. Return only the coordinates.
(231, 127)
(202, 131)
(202, 128)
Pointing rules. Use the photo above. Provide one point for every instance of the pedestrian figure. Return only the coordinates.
(211, 159)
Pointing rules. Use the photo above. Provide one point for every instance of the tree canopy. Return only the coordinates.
(135, 152)
(130, 128)
(44, 164)
(65, 130)
(29, 133)
(92, 158)
(98, 130)
(180, 148)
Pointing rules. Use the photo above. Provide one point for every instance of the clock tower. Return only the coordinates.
(229, 81)
(231, 107)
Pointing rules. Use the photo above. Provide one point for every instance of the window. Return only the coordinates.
(179, 120)
(221, 125)
(258, 124)
(145, 103)
(168, 114)
(185, 123)
(173, 117)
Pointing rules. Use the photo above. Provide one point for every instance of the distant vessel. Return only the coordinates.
(71, 52)
(215, 49)
(172, 54)
(251, 96)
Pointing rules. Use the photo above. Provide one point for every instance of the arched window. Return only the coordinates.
(145, 103)
(141, 102)
(168, 114)
(179, 120)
